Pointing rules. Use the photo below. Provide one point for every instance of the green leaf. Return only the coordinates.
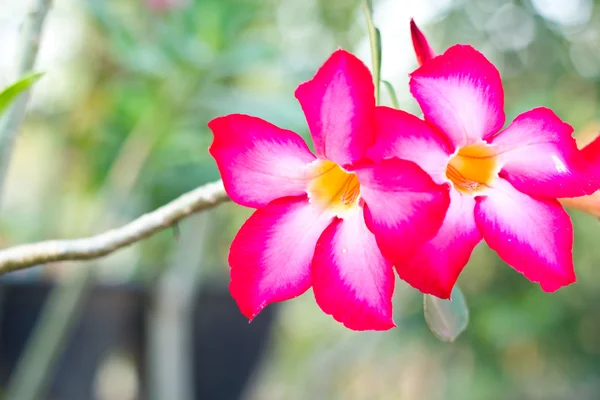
(10, 93)
(446, 318)
(375, 40)
(392, 94)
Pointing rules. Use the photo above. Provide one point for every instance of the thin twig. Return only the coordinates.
(12, 119)
(28, 255)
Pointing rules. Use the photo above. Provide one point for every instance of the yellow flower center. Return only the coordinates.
(473, 168)
(332, 187)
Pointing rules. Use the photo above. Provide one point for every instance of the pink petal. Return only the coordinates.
(591, 154)
(534, 236)
(435, 267)
(591, 203)
(461, 93)
(338, 103)
(540, 157)
(271, 255)
(258, 161)
(352, 281)
(400, 134)
(423, 51)
(404, 207)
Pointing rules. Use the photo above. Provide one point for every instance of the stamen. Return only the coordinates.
(473, 168)
(350, 190)
(333, 187)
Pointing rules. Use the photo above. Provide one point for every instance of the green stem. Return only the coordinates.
(13, 118)
(375, 40)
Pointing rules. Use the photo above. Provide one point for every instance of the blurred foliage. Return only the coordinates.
(149, 74)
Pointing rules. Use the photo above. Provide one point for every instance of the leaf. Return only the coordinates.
(10, 93)
(446, 318)
(392, 94)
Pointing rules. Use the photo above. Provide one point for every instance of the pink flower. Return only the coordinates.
(505, 182)
(316, 215)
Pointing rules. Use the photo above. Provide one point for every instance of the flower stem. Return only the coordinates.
(375, 40)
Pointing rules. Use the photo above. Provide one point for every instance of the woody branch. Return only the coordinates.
(29, 255)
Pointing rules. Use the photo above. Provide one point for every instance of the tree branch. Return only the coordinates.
(28, 255)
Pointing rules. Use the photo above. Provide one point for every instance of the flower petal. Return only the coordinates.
(258, 161)
(435, 267)
(404, 207)
(271, 255)
(338, 103)
(540, 157)
(591, 154)
(534, 236)
(352, 281)
(400, 134)
(461, 93)
(423, 51)
(591, 203)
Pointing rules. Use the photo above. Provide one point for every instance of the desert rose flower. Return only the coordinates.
(505, 183)
(589, 203)
(316, 215)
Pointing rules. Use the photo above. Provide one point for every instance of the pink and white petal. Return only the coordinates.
(338, 104)
(461, 93)
(540, 157)
(534, 236)
(403, 206)
(400, 134)
(352, 281)
(435, 267)
(423, 50)
(258, 161)
(271, 255)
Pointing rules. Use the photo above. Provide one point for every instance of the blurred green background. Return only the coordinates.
(117, 127)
